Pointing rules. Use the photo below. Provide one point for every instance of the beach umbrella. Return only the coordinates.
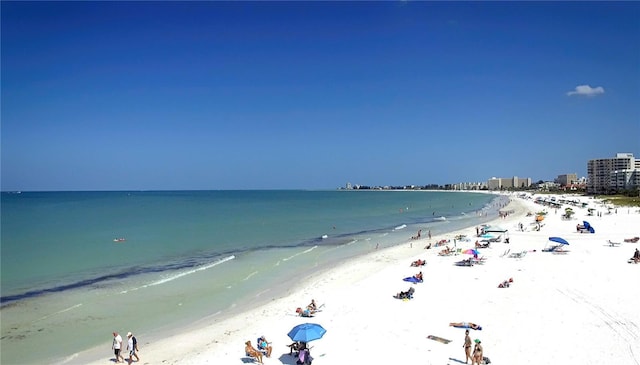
(472, 251)
(558, 240)
(306, 332)
(586, 224)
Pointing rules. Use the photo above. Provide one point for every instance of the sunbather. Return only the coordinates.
(473, 326)
(446, 251)
(506, 283)
(304, 312)
(264, 346)
(418, 262)
(418, 276)
(251, 351)
(466, 262)
(312, 306)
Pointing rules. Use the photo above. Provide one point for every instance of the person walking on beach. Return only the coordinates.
(467, 347)
(117, 346)
(132, 346)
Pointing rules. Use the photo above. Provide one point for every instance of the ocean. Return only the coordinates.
(76, 266)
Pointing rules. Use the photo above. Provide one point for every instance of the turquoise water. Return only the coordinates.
(187, 255)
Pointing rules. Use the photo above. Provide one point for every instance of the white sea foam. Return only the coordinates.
(300, 253)
(59, 312)
(250, 275)
(182, 274)
(400, 227)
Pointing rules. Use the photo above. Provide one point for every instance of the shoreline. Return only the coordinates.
(556, 302)
(316, 282)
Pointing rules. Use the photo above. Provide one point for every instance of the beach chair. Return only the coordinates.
(466, 262)
(613, 244)
(518, 255)
(506, 252)
(480, 260)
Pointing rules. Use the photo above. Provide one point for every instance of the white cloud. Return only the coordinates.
(586, 90)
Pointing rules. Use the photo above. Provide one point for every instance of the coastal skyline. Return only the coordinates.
(310, 95)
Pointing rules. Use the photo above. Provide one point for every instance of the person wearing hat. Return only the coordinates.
(467, 347)
(132, 346)
(477, 353)
(264, 346)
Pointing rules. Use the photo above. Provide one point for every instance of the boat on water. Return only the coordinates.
(119, 239)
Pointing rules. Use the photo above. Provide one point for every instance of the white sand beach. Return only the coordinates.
(581, 307)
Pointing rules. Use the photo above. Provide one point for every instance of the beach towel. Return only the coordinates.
(412, 279)
(439, 339)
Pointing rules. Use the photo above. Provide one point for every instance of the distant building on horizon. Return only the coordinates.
(499, 183)
(567, 179)
(470, 186)
(613, 175)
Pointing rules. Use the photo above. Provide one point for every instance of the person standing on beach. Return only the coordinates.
(477, 353)
(117, 346)
(467, 347)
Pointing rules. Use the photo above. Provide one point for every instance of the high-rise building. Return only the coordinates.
(497, 183)
(613, 175)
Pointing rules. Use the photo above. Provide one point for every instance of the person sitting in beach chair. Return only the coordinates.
(264, 346)
(304, 357)
(483, 244)
(636, 257)
(405, 294)
(445, 252)
(506, 283)
(418, 276)
(470, 325)
(296, 347)
(252, 352)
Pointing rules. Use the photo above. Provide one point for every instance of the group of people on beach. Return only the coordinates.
(309, 311)
(477, 356)
(132, 347)
(264, 349)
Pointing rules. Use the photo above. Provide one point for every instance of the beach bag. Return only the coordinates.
(486, 360)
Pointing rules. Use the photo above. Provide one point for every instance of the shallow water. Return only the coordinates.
(188, 255)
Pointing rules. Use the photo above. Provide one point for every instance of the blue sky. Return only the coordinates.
(311, 95)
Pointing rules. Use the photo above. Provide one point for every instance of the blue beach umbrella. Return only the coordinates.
(306, 332)
(558, 240)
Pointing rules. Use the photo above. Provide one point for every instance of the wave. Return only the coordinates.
(300, 253)
(205, 267)
(200, 263)
(59, 312)
(400, 227)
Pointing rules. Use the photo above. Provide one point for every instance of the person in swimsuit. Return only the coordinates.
(467, 347)
(473, 326)
(477, 353)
